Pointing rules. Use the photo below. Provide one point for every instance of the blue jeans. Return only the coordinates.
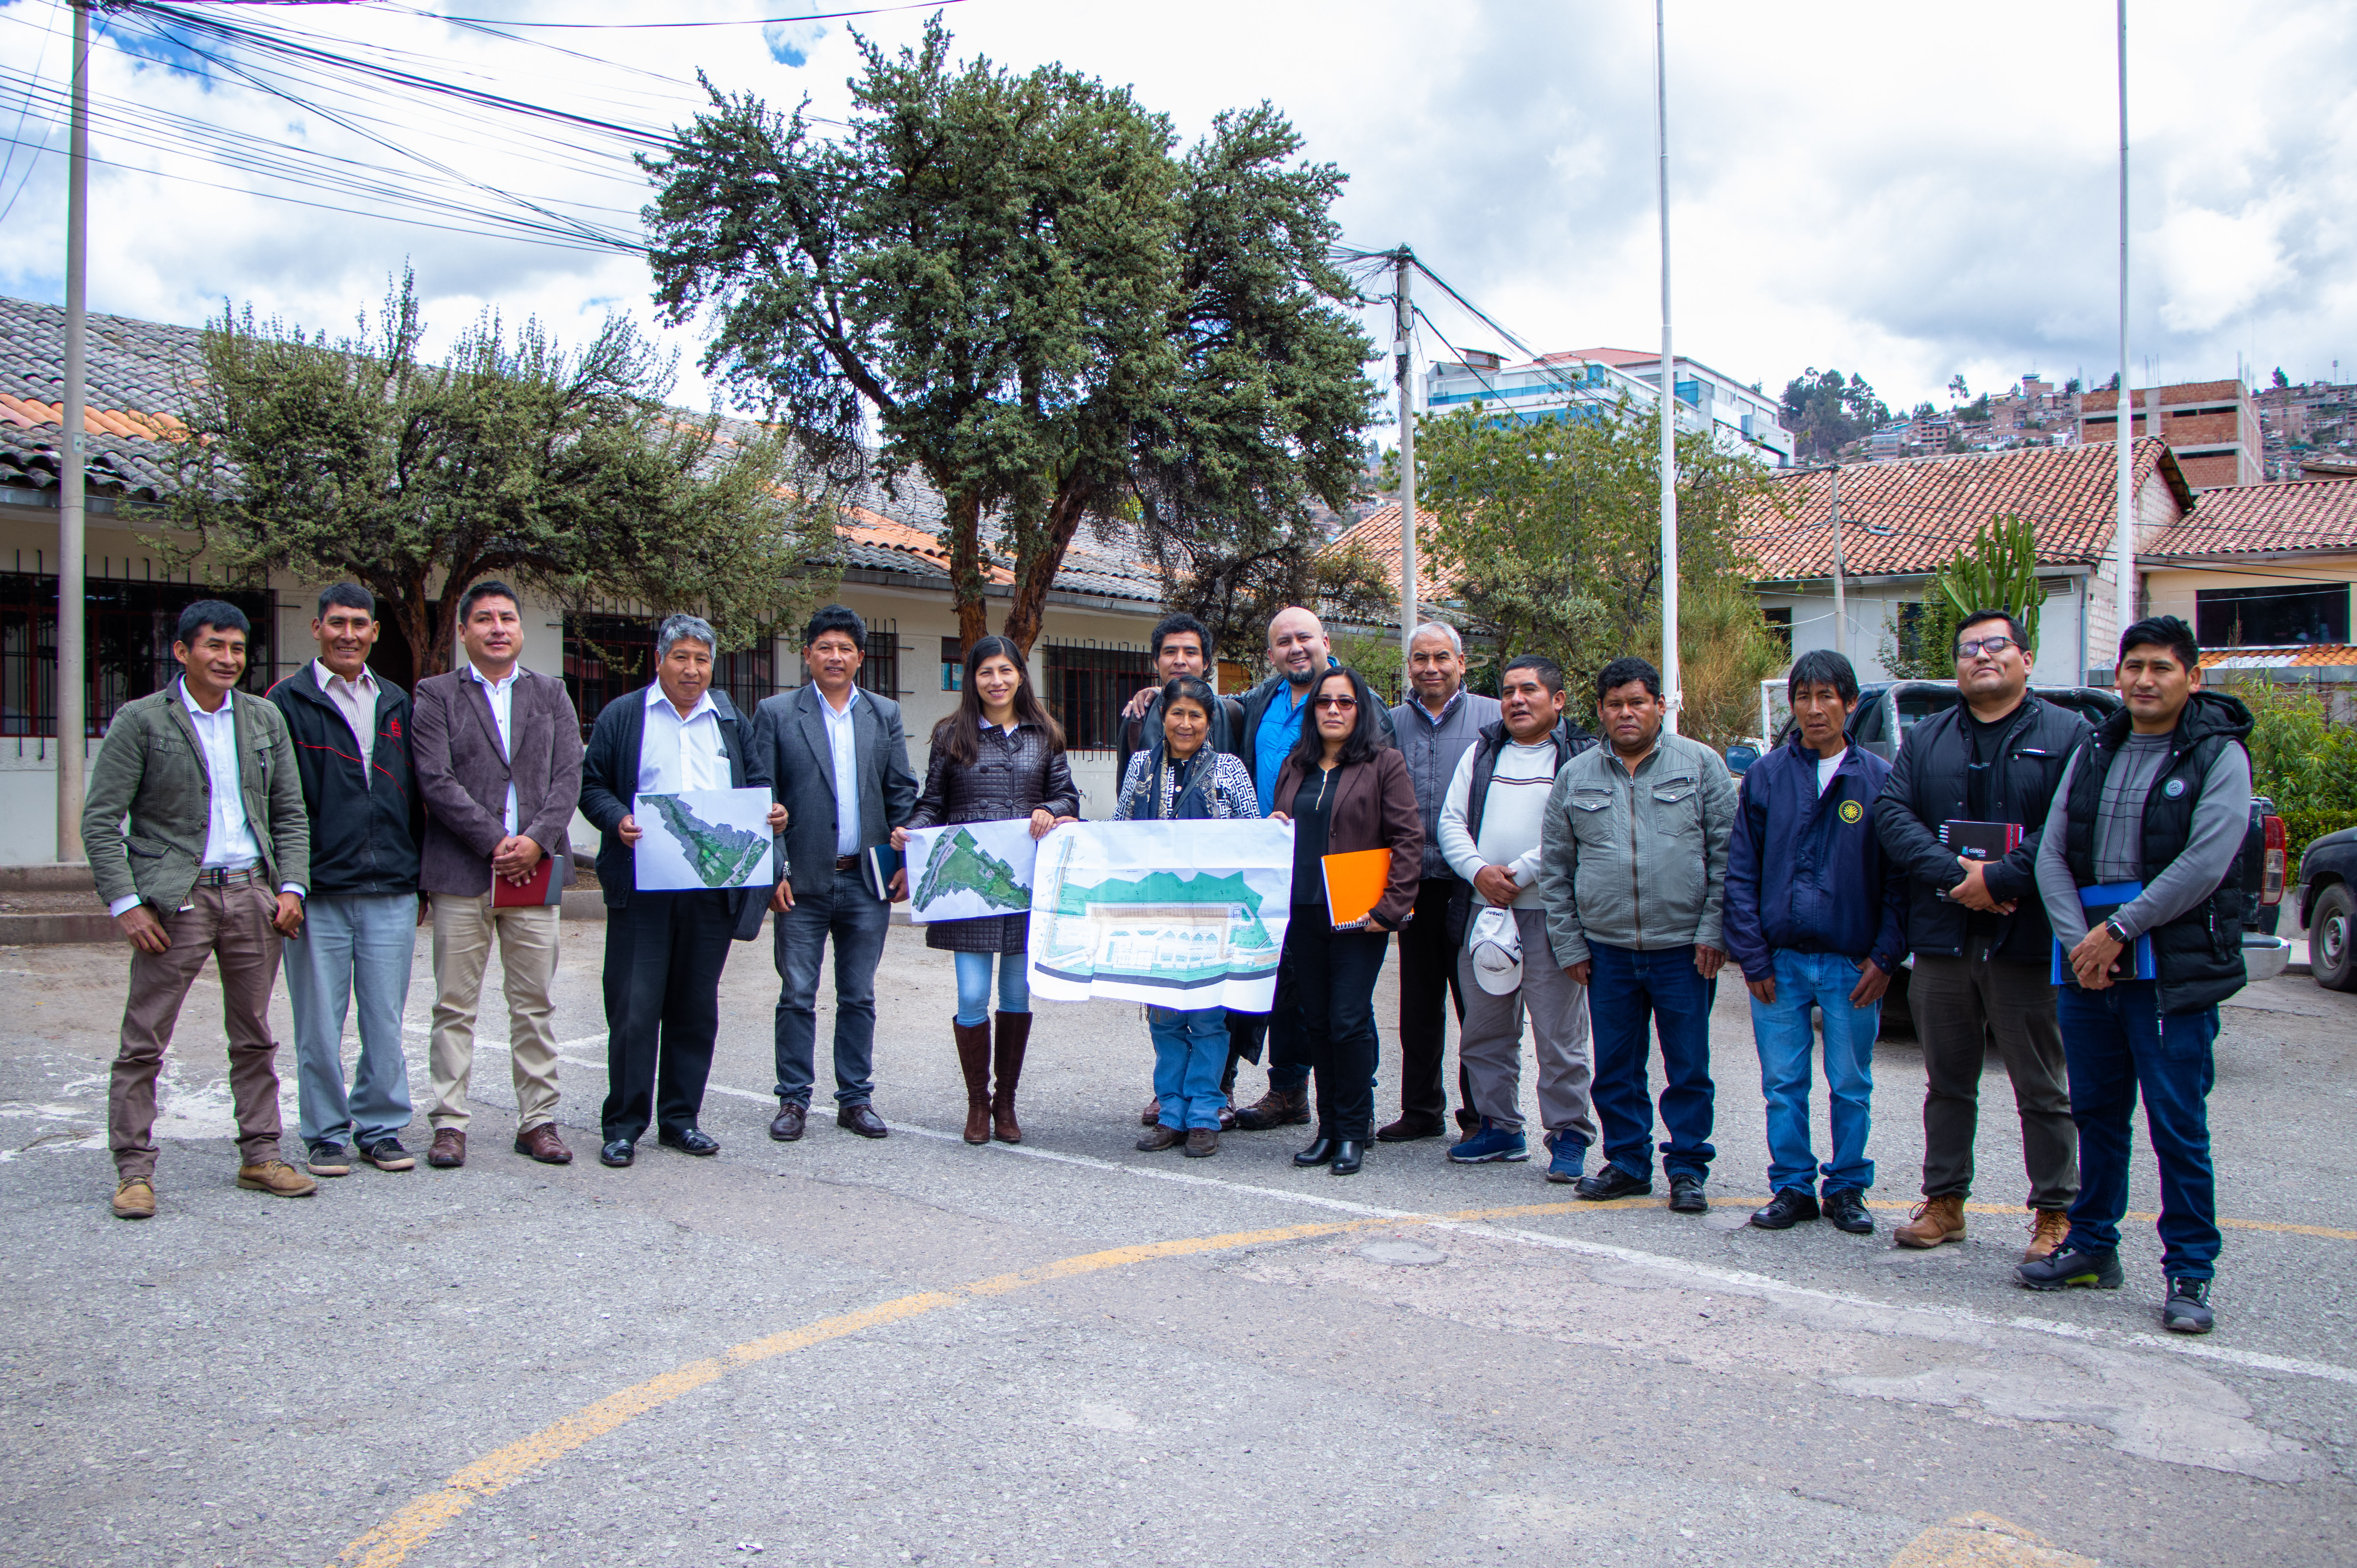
(1191, 1057)
(1786, 1036)
(974, 985)
(857, 921)
(354, 949)
(1627, 990)
(2116, 1041)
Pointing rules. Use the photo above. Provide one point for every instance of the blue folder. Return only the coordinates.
(2102, 901)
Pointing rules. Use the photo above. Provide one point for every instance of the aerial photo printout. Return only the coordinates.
(704, 838)
(1174, 914)
(970, 869)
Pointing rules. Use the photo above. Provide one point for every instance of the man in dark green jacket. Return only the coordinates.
(205, 775)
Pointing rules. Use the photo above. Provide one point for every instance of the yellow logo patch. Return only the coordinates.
(1851, 810)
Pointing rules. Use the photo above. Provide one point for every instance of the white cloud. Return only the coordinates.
(1903, 192)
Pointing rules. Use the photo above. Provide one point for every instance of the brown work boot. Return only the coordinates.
(1152, 1114)
(1202, 1142)
(1278, 1108)
(1158, 1138)
(277, 1178)
(974, 1061)
(1935, 1219)
(2047, 1230)
(135, 1198)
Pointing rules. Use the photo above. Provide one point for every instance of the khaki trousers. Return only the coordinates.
(463, 928)
(232, 925)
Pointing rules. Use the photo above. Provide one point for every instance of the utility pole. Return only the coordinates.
(1841, 606)
(72, 690)
(1403, 356)
(2124, 544)
(1671, 689)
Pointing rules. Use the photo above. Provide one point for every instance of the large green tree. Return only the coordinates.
(1047, 314)
(1552, 532)
(1826, 411)
(356, 459)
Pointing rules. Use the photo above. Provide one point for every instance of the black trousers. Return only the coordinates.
(1279, 1030)
(1334, 986)
(1427, 973)
(664, 957)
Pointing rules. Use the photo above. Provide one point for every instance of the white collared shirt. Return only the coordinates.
(501, 695)
(229, 844)
(842, 744)
(678, 752)
(356, 700)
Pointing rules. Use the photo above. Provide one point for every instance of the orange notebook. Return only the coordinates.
(1354, 884)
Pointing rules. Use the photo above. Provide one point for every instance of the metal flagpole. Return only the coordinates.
(1841, 605)
(1670, 685)
(2124, 544)
(70, 690)
(1403, 353)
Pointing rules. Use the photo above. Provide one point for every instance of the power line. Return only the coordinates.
(641, 27)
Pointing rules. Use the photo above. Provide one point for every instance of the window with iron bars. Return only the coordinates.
(608, 655)
(1087, 688)
(127, 643)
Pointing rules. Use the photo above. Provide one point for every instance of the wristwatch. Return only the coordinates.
(2119, 933)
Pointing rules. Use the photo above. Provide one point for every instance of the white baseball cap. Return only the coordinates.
(1496, 946)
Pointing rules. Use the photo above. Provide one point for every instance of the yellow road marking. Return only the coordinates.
(1984, 1541)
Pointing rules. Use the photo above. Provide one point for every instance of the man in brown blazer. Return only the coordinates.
(498, 756)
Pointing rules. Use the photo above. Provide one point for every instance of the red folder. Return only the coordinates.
(540, 889)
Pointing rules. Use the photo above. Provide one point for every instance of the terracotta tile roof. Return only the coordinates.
(1377, 535)
(1911, 517)
(2240, 520)
(2313, 655)
(139, 371)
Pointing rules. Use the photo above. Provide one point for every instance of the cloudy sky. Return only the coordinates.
(1906, 192)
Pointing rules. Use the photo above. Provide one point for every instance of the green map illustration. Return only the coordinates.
(959, 864)
(720, 855)
(1237, 901)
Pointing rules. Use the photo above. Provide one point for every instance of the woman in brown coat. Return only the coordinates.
(999, 757)
(1344, 790)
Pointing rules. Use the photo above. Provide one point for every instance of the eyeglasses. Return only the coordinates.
(1992, 645)
(1340, 704)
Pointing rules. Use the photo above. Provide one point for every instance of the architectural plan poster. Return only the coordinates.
(704, 838)
(970, 869)
(1172, 914)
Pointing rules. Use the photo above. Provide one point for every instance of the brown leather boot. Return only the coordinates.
(1014, 1033)
(974, 1061)
(1935, 1219)
(2048, 1231)
(1278, 1108)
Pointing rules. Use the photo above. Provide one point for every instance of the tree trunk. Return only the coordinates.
(428, 655)
(964, 530)
(1034, 578)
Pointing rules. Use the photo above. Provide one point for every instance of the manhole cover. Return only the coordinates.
(1402, 1253)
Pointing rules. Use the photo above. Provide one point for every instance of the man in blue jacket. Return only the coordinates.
(1816, 916)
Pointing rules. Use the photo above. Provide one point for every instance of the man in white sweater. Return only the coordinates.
(1489, 830)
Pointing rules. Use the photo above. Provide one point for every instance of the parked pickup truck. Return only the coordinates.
(2328, 904)
(1887, 711)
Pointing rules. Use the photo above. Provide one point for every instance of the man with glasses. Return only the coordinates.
(1978, 929)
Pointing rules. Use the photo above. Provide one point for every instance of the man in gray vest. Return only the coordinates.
(2136, 870)
(1434, 730)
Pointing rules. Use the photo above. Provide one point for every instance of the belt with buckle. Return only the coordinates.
(846, 863)
(224, 877)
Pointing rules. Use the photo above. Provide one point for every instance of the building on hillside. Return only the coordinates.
(2212, 426)
(1089, 658)
(2306, 424)
(1589, 382)
(2263, 574)
(1902, 521)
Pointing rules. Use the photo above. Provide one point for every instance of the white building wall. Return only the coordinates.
(1872, 607)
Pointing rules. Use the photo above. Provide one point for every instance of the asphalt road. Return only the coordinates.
(850, 1352)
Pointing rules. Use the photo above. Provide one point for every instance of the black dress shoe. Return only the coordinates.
(862, 1120)
(1612, 1182)
(1686, 1196)
(618, 1154)
(1349, 1154)
(787, 1124)
(690, 1140)
(1320, 1153)
(1787, 1208)
(1408, 1129)
(1846, 1206)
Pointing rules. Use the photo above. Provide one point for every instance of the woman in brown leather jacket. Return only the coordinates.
(1344, 790)
(999, 757)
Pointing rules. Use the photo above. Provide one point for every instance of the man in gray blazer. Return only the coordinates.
(497, 751)
(205, 775)
(838, 762)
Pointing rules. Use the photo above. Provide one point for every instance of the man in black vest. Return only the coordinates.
(2136, 872)
(1978, 929)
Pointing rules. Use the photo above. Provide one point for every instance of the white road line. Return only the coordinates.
(1740, 1279)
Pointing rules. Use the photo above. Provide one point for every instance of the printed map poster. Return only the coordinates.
(1182, 915)
(968, 870)
(704, 838)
